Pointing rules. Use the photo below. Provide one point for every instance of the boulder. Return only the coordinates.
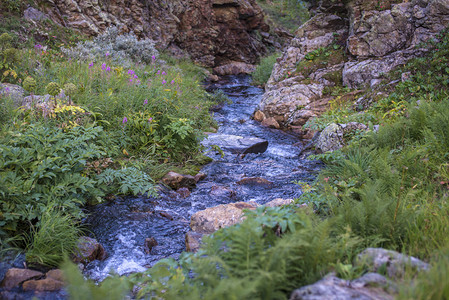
(236, 144)
(176, 181)
(394, 263)
(87, 250)
(47, 284)
(55, 274)
(279, 202)
(370, 286)
(332, 137)
(211, 219)
(193, 241)
(15, 276)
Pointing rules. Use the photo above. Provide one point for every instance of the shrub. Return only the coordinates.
(120, 48)
(263, 69)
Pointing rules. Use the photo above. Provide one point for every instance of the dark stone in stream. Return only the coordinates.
(176, 181)
(149, 244)
(183, 192)
(166, 215)
(87, 250)
(255, 181)
(200, 176)
(222, 191)
(236, 144)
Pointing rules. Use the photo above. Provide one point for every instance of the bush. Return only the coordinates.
(263, 70)
(120, 48)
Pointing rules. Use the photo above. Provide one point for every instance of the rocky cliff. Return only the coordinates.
(228, 35)
(351, 45)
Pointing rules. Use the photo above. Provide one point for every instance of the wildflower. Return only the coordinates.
(91, 65)
(163, 73)
(135, 76)
(196, 107)
(172, 82)
(107, 54)
(163, 81)
(150, 120)
(153, 57)
(108, 69)
(158, 72)
(125, 119)
(326, 179)
(38, 46)
(131, 72)
(130, 80)
(138, 82)
(103, 66)
(145, 102)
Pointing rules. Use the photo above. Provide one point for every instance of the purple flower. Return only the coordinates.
(125, 119)
(103, 66)
(145, 102)
(172, 82)
(107, 54)
(153, 57)
(150, 120)
(163, 81)
(108, 69)
(130, 80)
(158, 72)
(91, 65)
(135, 76)
(196, 107)
(138, 81)
(163, 73)
(130, 72)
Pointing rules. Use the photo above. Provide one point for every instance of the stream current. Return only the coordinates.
(122, 225)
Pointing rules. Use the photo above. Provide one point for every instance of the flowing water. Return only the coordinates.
(122, 225)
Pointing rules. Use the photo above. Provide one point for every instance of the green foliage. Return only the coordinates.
(272, 252)
(29, 84)
(8, 59)
(289, 14)
(263, 70)
(430, 285)
(114, 288)
(52, 238)
(53, 89)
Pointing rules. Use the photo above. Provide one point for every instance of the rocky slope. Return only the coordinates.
(228, 35)
(350, 45)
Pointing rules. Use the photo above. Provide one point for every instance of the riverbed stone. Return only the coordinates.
(394, 262)
(16, 276)
(259, 116)
(222, 191)
(87, 250)
(371, 286)
(183, 192)
(149, 244)
(48, 284)
(271, 123)
(193, 241)
(176, 180)
(236, 144)
(255, 181)
(213, 218)
(332, 137)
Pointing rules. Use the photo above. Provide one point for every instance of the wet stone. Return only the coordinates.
(176, 181)
(15, 276)
(255, 181)
(200, 176)
(47, 284)
(149, 244)
(193, 241)
(183, 192)
(87, 250)
(236, 144)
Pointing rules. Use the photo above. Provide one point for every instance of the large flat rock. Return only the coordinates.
(236, 144)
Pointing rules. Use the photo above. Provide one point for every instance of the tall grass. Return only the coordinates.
(264, 68)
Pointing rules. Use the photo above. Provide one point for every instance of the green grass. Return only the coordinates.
(263, 70)
(289, 14)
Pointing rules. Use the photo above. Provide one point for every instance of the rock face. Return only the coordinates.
(215, 33)
(372, 43)
(236, 144)
(213, 218)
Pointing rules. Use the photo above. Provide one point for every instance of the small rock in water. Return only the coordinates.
(236, 144)
(258, 181)
(259, 116)
(222, 191)
(149, 244)
(166, 215)
(176, 181)
(183, 192)
(87, 250)
(271, 123)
